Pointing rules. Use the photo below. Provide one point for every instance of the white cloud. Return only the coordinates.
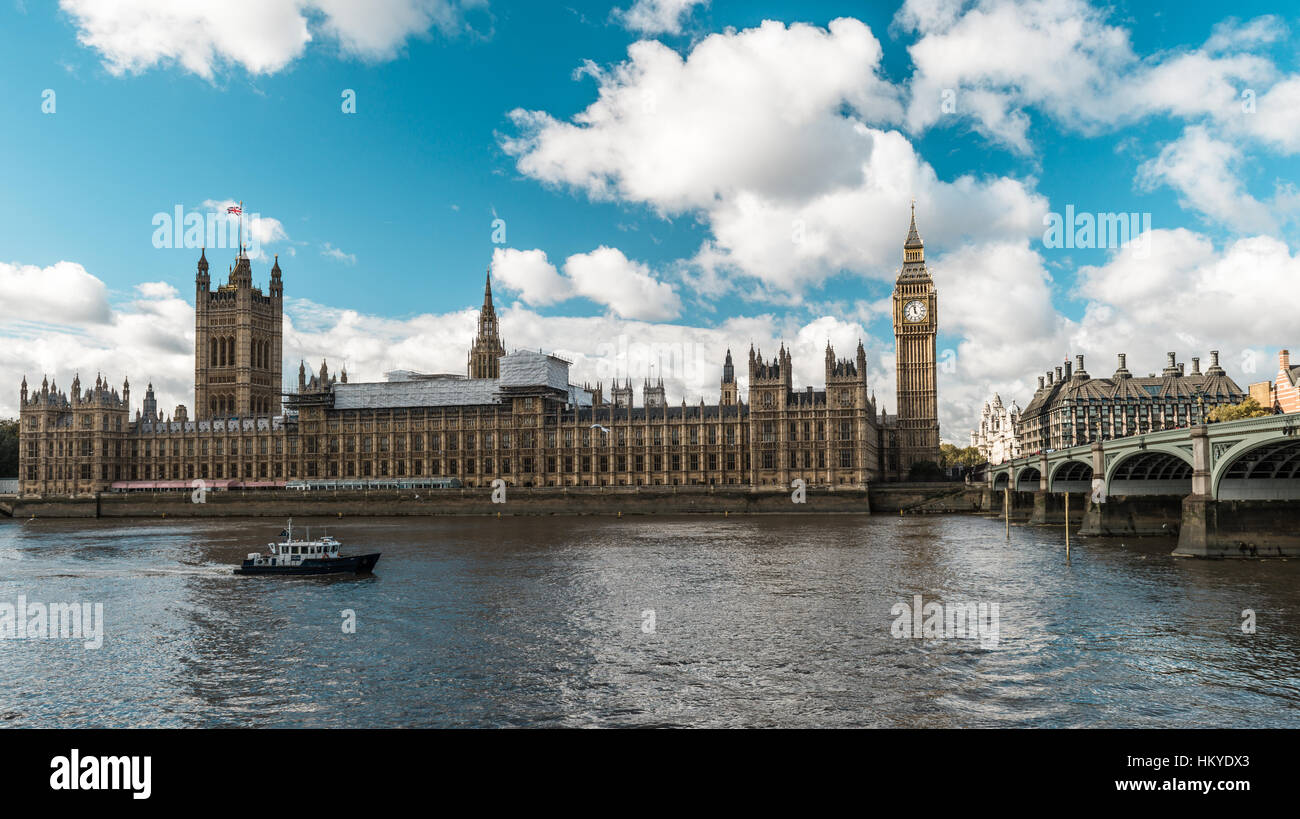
(1184, 296)
(604, 275)
(150, 337)
(608, 277)
(1232, 33)
(756, 110)
(262, 36)
(1206, 173)
(63, 293)
(765, 133)
(656, 16)
(530, 274)
(332, 252)
(1000, 57)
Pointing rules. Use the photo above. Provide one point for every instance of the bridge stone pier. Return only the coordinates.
(1226, 490)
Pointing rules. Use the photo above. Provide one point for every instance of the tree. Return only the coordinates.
(1250, 408)
(9, 448)
(951, 455)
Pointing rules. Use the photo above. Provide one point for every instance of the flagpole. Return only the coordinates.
(241, 227)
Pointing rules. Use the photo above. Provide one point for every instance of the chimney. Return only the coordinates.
(1214, 358)
(1068, 371)
(1058, 372)
(1196, 365)
(1040, 382)
(1284, 359)
(1122, 363)
(1049, 378)
(1171, 366)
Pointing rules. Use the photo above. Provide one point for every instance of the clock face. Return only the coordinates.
(914, 311)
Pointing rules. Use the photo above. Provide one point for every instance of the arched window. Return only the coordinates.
(212, 352)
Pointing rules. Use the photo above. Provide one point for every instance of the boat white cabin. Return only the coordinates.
(290, 552)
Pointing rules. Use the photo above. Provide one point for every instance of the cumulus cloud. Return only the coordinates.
(1206, 173)
(262, 37)
(529, 273)
(604, 275)
(332, 252)
(754, 110)
(766, 134)
(991, 60)
(62, 293)
(148, 337)
(656, 16)
(608, 277)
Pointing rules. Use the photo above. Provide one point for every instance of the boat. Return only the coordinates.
(320, 556)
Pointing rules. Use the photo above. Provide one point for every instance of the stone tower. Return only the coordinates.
(654, 393)
(486, 351)
(237, 343)
(622, 395)
(916, 322)
(728, 395)
(770, 385)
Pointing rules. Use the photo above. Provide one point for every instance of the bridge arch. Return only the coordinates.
(1028, 479)
(1002, 480)
(1267, 469)
(1071, 476)
(1155, 470)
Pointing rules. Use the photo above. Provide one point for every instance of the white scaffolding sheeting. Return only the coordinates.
(420, 393)
(524, 368)
(578, 397)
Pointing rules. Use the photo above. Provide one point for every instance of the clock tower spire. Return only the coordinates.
(916, 323)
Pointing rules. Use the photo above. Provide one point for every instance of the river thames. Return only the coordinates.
(749, 621)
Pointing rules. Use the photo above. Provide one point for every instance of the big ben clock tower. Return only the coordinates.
(916, 322)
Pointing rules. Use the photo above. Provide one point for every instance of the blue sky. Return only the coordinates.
(383, 219)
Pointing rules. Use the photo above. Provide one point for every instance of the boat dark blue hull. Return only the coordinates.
(356, 564)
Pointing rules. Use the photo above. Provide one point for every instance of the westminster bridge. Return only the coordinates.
(1228, 489)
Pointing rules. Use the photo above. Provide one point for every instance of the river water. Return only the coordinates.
(646, 621)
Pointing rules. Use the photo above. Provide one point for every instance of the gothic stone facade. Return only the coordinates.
(513, 416)
(998, 439)
(237, 343)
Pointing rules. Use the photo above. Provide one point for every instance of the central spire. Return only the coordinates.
(486, 349)
(913, 249)
(913, 235)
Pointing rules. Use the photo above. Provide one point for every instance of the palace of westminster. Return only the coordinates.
(513, 416)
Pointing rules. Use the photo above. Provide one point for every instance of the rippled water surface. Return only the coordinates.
(758, 621)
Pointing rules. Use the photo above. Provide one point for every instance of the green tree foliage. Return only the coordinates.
(9, 448)
(950, 455)
(1250, 408)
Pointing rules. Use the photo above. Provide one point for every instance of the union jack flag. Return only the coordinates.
(235, 209)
